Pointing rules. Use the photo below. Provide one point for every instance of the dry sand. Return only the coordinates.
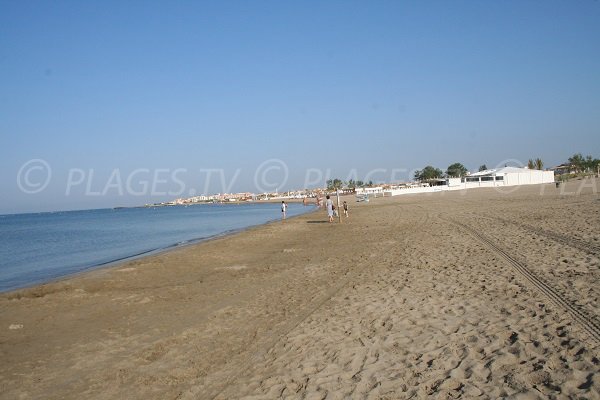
(473, 294)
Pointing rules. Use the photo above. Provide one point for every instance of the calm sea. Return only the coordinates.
(37, 248)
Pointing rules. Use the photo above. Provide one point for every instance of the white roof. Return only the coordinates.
(501, 171)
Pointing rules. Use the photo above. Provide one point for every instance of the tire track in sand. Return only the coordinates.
(589, 323)
(564, 239)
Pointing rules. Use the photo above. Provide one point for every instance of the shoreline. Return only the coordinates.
(149, 206)
(409, 297)
(146, 253)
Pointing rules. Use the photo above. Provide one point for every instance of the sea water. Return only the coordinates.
(37, 248)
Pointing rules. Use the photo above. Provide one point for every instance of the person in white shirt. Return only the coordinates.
(329, 205)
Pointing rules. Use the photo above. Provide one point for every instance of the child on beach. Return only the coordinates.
(345, 207)
(283, 209)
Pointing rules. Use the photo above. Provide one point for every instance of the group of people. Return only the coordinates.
(331, 209)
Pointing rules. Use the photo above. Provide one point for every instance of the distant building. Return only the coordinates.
(370, 191)
(563, 169)
(507, 176)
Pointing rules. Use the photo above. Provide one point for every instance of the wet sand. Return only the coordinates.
(481, 293)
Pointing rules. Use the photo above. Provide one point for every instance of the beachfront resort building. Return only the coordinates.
(508, 176)
(498, 177)
(370, 191)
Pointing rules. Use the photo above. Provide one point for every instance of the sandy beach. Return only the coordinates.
(483, 293)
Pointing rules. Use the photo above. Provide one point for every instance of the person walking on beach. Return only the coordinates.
(283, 209)
(345, 207)
(329, 205)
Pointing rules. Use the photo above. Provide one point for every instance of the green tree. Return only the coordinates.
(456, 170)
(334, 184)
(483, 167)
(595, 164)
(577, 162)
(539, 164)
(428, 173)
(531, 164)
(351, 184)
(360, 184)
(591, 164)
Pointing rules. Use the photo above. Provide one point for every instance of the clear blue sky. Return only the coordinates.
(326, 85)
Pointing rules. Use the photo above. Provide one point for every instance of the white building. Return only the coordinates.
(507, 176)
(370, 191)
